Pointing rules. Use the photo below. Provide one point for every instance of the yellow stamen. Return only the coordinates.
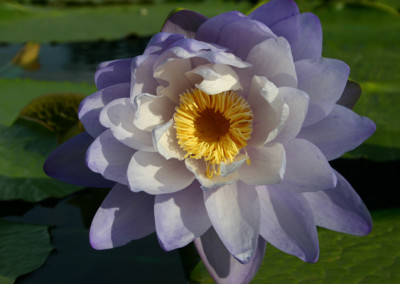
(213, 127)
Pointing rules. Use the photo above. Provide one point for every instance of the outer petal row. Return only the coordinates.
(122, 217)
(222, 266)
(272, 59)
(181, 217)
(91, 107)
(113, 72)
(287, 222)
(275, 11)
(304, 33)
(324, 81)
(184, 22)
(110, 158)
(341, 131)
(234, 211)
(67, 163)
(340, 209)
(306, 168)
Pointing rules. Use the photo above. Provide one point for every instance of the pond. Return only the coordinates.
(75, 62)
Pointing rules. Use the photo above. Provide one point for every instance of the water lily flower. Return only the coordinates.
(221, 133)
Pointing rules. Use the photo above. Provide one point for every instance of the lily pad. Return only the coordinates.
(95, 22)
(15, 94)
(23, 149)
(381, 103)
(57, 112)
(23, 248)
(343, 258)
(365, 36)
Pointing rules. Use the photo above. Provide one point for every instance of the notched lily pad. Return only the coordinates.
(23, 248)
(57, 112)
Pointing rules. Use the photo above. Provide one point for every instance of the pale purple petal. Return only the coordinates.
(275, 11)
(297, 102)
(351, 94)
(173, 73)
(340, 209)
(152, 173)
(142, 79)
(214, 78)
(184, 22)
(341, 131)
(192, 46)
(272, 59)
(109, 157)
(119, 117)
(287, 223)
(122, 217)
(198, 167)
(247, 33)
(269, 111)
(180, 217)
(91, 106)
(267, 165)
(211, 29)
(165, 141)
(231, 167)
(113, 72)
(234, 211)
(161, 41)
(324, 81)
(304, 33)
(67, 163)
(306, 168)
(221, 265)
(152, 111)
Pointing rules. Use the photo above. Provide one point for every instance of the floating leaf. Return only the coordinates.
(381, 103)
(366, 37)
(23, 149)
(96, 22)
(23, 248)
(15, 94)
(57, 112)
(343, 258)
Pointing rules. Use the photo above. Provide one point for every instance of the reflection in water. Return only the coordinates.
(74, 62)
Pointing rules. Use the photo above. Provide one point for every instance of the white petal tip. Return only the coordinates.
(97, 243)
(244, 257)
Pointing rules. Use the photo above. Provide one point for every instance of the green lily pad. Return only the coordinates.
(25, 145)
(343, 258)
(23, 248)
(365, 36)
(15, 94)
(381, 103)
(57, 112)
(95, 22)
(23, 150)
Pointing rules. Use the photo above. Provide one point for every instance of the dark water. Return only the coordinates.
(75, 62)
(74, 261)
